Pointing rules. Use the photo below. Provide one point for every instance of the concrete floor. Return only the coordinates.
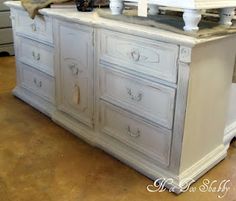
(40, 161)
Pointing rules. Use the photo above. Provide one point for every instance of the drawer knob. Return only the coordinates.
(133, 97)
(36, 56)
(37, 83)
(133, 134)
(33, 27)
(135, 55)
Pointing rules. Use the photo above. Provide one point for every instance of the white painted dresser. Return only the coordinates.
(152, 98)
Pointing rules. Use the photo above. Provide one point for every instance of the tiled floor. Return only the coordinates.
(40, 161)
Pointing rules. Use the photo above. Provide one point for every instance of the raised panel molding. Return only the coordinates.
(149, 57)
(75, 71)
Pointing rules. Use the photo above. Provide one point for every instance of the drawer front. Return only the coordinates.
(39, 28)
(5, 19)
(35, 54)
(2, 6)
(6, 36)
(37, 82)
(147, 57)
(149, 100)
(152, 141)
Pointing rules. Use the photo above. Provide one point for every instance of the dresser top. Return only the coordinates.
(93, 19)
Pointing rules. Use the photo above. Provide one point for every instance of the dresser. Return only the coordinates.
(154, 99)
(6, 39)
(34, 50)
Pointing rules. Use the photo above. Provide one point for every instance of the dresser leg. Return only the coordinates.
(116, 7)
(226, 16)
(191, 19)
(153, 9)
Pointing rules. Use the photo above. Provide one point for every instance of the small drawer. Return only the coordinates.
(140, 55)
(2, 6)
(35, 54)
(150, 100)
(151, 141)
(6, 36)
(40, 28)
(5, 20)
(37, 82)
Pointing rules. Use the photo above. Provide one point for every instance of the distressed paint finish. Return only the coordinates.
(182, 107)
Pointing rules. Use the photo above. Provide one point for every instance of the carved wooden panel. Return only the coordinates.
(76, 73)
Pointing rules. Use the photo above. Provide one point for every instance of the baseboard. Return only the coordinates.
(229, 134)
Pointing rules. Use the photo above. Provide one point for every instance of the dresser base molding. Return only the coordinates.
(230, 133)
(9, 48)
(137, 161)
(34, 100)
(74, 126)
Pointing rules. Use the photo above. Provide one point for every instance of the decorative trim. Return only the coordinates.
(185, 54)
(229, 134)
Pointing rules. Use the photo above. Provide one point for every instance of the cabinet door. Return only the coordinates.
(75, 71)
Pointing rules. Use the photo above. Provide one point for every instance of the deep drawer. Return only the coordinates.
(37, 82)
(35, 54)
(135, 54)
(6, 36)
(152, 101)
(40, 28)
(152, 141)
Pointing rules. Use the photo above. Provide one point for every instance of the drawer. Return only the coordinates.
(2, 6)
(5, 19)
(37, 82)
(139, 55)
(35, 54)
(151, 141)
(150, 100)
(40, 28)
(6, 36)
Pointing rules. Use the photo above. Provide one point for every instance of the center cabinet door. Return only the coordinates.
(75, 71)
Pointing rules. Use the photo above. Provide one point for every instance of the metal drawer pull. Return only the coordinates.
(133, 134)
(74, 69)
(37, 83)
(33, 27)
(37, 58)
(137, 97)
(135, 55)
